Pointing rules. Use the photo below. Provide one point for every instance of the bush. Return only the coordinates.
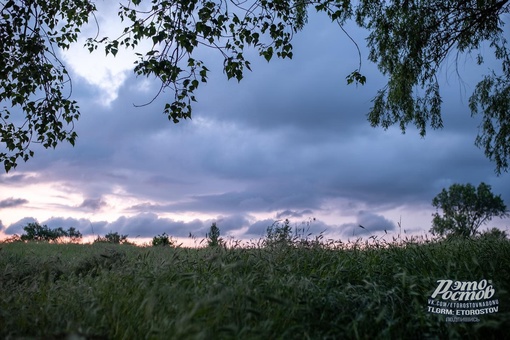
(162, 240)
(494, 233)
(74, 235)
(112, 237)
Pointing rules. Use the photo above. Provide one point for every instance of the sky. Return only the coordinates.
(291, 140)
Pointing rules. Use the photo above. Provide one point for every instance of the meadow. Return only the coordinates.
(302, 290)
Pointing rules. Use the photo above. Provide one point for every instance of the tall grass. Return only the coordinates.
(315, 290)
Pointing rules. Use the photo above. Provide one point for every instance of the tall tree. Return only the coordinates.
(213, 236)
(409, 40)
(465, 208)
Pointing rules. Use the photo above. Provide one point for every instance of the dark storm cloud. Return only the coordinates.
(294, 214)
(15, 179)
(144, 225)
(94, 204)
(232, 222)
(150, 224)
(265, 198)
(259, 228)
(85, 226)
(148, 207)
(309, 95)
(12, 202)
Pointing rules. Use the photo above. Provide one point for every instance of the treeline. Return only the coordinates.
(34, 232)
(279, 233)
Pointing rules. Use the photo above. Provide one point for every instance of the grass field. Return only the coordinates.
(319, 291)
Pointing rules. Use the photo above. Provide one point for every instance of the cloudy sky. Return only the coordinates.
(290, 141)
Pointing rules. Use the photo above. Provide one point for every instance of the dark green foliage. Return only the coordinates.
(332, 291)
(36, 232)
(491, 99)
(465, 208)
(112, 237)
(213, 236)
(410, 40)
(106, 259)
(74, 234)
(494, 233)
(279, 234)
(33, 81)
(162, 240)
